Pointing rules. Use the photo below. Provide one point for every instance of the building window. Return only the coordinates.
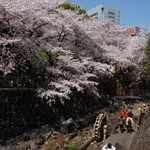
(94, 16)
(111, 13)
(112, 17)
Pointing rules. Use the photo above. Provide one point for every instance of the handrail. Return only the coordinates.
(132, 92)
(21, 82)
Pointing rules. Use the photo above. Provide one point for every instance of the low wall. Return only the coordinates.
(20, 111)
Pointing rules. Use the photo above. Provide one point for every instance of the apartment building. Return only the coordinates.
(102, 12)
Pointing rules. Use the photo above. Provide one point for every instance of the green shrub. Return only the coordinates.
(44, 55)
(68, 6)
(81, 135)
(86, 17)
(71, 146)
(52, 57)
(147, 51)
(74, 7)
(81, 11)
(147, 68)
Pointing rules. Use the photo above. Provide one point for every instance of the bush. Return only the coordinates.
(50, 58)
(86, 17)
(74, 7)
(68, 6)
(147, 51)
(44, 55)
(81, 11)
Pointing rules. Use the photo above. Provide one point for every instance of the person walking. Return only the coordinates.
(122, 124)
(129, 124)
(129, 110)
(123, 114)
(144, 109)
(143, 112)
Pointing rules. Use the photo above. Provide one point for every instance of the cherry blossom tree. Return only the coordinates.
(85, 49)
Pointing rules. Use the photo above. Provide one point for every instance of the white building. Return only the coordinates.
(105, 12)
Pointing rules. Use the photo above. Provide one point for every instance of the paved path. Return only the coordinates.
(121, 141)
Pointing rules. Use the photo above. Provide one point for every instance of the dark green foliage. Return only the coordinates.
(147, 51)
(81, 11)
(86, 17)
(44, 55)
(48, 57)
(147, 68)
(68, 6)
(52, 59)
(74, 7)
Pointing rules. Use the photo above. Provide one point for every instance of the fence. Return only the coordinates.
(132, 92)
(21, 82)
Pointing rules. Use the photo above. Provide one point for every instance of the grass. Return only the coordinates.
(72, 145)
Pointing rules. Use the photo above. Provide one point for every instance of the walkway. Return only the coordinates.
(121, 141)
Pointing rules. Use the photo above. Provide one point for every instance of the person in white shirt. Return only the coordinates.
(108, 146)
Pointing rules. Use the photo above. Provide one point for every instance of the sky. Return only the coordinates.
(133, 12)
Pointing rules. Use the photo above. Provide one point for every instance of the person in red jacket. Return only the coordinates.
(123, 114)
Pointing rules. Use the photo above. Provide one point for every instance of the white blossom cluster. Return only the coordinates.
(23, 5)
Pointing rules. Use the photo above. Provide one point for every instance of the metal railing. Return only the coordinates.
(21, 82)
(132, 92)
